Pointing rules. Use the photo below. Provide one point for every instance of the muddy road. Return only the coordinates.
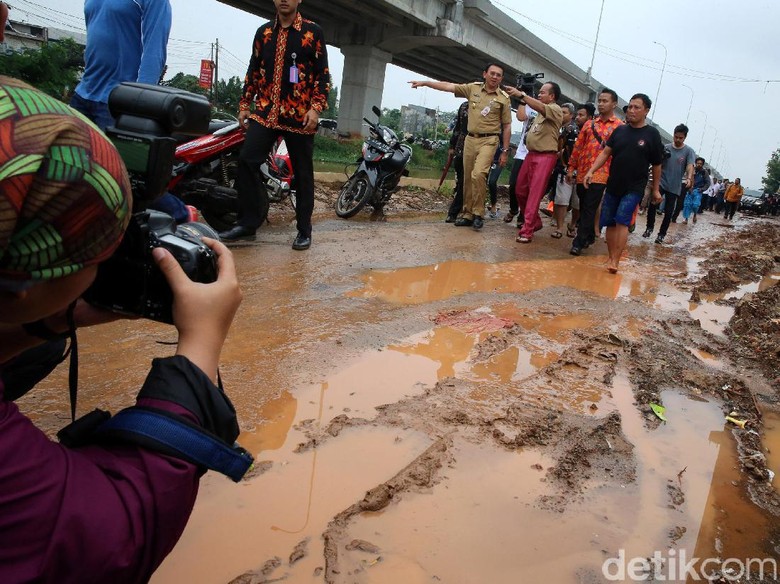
(431, 404)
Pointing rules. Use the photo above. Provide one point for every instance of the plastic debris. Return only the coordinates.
(736, 422)
(659, 411)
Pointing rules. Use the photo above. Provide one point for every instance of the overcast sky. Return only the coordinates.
(725, 53)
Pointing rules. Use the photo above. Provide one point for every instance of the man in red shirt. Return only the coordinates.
(591, 141)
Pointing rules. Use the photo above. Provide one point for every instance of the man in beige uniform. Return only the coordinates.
(542, 145)
(490, 124)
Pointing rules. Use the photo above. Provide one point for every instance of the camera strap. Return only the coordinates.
(174, 436)
(596, 133)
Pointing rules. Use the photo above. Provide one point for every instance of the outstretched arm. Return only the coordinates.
(437, 85)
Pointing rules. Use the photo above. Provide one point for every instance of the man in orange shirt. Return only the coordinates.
(733, 197)
(590, 142)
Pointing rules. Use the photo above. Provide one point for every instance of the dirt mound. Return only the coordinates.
(406, 199)
(745, 257)
(755, 328)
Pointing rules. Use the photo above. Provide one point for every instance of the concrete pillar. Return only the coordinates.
(361, 86)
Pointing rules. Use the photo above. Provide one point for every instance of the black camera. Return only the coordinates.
(526, 82)
(130, 282)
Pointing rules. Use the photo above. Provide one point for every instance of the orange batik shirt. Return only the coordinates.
(588, 147)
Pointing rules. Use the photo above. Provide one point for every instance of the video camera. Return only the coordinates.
(130, 282)
(526, 82)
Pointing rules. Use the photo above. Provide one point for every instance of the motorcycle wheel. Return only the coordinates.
(353, 196)
(223, 219)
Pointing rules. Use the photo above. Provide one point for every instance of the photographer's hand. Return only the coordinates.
(202, 313)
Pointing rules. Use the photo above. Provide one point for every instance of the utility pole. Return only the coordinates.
(690, 103)
(211, 89)
(216, 73)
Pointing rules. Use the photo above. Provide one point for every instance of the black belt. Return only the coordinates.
(481, 135)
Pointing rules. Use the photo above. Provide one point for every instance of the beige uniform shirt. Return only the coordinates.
(543, 133)
(487, 111)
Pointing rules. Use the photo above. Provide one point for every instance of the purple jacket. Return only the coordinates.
(94, 514)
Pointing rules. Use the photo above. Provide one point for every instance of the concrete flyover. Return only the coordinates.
(448, 40)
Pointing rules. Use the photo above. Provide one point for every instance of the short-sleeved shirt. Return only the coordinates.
(590, 142)
(543, 133)
(488, 112)
(673, 168)
(632, 150)
(522, 148)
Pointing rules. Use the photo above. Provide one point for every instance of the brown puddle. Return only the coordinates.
(456, 278)
(483, 523)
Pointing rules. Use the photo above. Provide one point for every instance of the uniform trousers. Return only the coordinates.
(477, 157)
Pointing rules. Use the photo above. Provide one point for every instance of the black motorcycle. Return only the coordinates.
(379, 171)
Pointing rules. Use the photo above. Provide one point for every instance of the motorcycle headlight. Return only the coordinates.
(389, 137)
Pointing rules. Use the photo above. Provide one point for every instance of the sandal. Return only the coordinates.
(521, 239)
(571, 231)
(556, 235)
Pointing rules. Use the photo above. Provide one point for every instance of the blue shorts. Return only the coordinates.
(618, 210)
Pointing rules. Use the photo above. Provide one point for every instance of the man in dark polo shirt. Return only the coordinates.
(633, 147)
(490, 125)
(542, 142)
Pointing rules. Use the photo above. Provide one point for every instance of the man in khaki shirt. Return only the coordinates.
(542, 142)
(490, 124)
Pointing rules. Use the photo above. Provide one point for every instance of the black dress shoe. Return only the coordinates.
(238, 233)
(575, 251)
(463, 222)
(302, 242)
(450, 219)
(477, 223)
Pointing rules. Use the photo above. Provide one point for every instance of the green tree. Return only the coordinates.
(392, 118)
(227, 94)
(332, 112)
(772, 179)
(54, 68)
(187, 83)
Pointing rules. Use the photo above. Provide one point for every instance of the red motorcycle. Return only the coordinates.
(205, 170)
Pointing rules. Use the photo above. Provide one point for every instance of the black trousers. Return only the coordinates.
(679, 205)
(672, 206)
(457, 201)
(590, 199)
(493, 175)
(731, 208)
(516, 166)
(257, 146)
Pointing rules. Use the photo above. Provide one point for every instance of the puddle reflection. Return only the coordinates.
(449, 279)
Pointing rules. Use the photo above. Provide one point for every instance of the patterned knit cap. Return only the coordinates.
(65, 197)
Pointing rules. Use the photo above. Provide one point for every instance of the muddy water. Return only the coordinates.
(349, 326)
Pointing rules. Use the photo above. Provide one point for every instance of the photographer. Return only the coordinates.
(112, 507)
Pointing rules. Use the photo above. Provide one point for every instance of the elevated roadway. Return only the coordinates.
(448, 40)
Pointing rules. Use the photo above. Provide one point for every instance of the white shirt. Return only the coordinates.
(522, 149)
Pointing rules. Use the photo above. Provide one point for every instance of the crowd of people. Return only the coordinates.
(109, 504)
(587, 160)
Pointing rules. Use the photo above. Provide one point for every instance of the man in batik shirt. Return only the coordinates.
(288, 81)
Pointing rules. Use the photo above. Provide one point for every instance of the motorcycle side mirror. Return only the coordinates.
(377, 111)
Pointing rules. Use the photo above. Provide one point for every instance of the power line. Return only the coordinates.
(635, 59)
